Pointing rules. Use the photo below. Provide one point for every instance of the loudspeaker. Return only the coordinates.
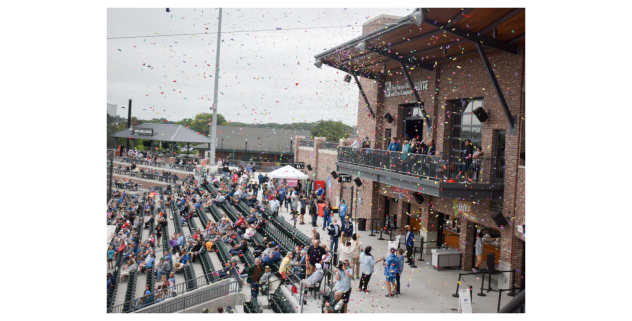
(419, 198)
(481, 114)
(357, 181)
(491, 262)
(389, 118)
(500, 219)
(309, 167)
(334, 174)
(347, 78)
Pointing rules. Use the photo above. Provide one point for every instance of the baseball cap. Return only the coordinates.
(148, 292)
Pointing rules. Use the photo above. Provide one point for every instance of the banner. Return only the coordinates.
(291, 182)
(464, 208)
(397, 190)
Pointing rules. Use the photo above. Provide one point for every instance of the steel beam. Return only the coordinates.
(412, 86)
(353, 72)
(459, 16)
(477, 38)
(501, 20)
(400, 59)
(363, 95)
(488, 66)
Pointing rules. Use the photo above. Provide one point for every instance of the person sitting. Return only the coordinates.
(230, 235)
(151, 219)
(274, 256)
(239, 249)
(250, 232)
(195, 250)
(316, 277)
(149, 261)
(131, 267)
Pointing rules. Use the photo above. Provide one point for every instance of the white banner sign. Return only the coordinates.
(404, 89)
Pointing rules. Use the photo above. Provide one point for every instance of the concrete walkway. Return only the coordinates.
(424, 289)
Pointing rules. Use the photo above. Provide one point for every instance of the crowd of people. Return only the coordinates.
(308, 264)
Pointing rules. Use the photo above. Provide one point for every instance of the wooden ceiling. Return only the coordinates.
(426, 42)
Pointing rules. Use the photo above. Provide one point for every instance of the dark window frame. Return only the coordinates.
(459, 110)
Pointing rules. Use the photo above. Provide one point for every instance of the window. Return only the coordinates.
(413, 113)
(387, 136)
(465, 125)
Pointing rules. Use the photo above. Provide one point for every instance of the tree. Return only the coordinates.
(331, 130)
(200, 123)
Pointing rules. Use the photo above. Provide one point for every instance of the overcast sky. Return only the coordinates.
(265, 76)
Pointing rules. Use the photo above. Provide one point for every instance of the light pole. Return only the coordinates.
(213, 127)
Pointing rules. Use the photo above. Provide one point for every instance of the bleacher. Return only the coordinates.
(279, 303)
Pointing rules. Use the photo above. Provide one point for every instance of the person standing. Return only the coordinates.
(347, 230)
(390, 269)
(410, 243)
(348, 251)
(393, 147)
(467, 157)
(400, 270)
(314, 255)
(326, 215)
(404, 156)
(313, 211)
(366, 143)
(478, 251)
(367, 265)
(342, 210)
(334, 231)
(343, 282)
(303, 205)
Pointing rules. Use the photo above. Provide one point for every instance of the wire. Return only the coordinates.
(206, 33)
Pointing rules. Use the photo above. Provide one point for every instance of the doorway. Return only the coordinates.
(387, 137)
(413, 218)
(413, 121)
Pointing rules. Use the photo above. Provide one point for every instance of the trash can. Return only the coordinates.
(362, 224)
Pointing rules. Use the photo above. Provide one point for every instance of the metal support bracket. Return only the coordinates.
(402, 60)
(364, 95)
(412, 86)
(490, 72)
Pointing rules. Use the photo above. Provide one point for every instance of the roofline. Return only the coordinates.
(387, 16)
(393, 26)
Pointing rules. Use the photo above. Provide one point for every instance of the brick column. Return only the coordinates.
(297, 138)
(467, 240)
(429, 223)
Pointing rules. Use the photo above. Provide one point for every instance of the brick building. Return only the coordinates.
(452, 58)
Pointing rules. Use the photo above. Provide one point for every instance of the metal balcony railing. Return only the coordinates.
(329, 145)
(441, 168)
(306, 143)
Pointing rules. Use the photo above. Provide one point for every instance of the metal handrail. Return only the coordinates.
(431, 167)
(193, 299)
(172, 290)
(143, 162)
(306, 143)
(517, 305)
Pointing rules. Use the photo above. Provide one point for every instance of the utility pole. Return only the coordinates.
(129, 120)
(213, 127)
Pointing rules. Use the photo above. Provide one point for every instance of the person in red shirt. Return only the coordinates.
(235, 178)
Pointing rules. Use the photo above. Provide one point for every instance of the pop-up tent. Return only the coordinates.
(287, 172)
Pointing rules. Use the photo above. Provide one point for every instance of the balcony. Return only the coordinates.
(440, 176)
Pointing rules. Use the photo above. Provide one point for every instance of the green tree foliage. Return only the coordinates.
(331, 130)
(200, 123)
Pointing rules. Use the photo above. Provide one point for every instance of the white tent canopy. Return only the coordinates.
(287, 172)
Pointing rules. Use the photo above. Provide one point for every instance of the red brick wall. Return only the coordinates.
(520, 201)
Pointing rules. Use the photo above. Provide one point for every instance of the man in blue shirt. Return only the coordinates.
(347, 229)
(393, 146)
(343, 210)
(273, 257)
(281, 196)
(410, 242)
(320, 191)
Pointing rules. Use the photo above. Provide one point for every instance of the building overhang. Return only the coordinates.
(476, 191)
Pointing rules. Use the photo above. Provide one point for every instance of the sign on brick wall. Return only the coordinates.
(463, 208)
(397, 190)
